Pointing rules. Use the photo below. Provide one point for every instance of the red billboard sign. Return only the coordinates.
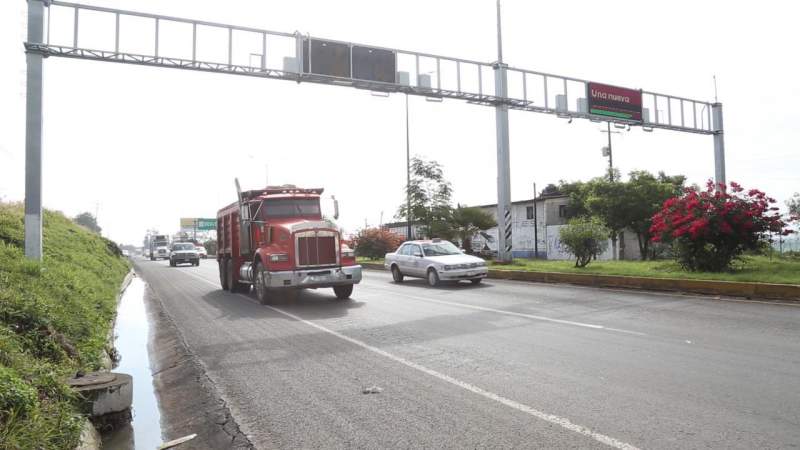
(613, 101)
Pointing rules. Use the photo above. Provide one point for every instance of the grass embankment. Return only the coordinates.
(362, 260)
(54, 319)
(758, 269)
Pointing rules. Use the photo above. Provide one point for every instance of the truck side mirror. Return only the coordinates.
(267, 230)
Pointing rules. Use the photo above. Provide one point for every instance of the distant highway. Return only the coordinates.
(502, 364)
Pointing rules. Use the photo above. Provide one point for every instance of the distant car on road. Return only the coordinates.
(435, 260)
(183, 253)
(201, 251)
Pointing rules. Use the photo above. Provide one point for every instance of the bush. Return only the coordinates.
(585, 238)
(210, 246)
(711, 229)
(375, 243)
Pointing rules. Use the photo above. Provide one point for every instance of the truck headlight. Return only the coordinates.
(348, 253)
(278, 257)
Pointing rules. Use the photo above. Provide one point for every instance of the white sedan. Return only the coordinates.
(435, 260)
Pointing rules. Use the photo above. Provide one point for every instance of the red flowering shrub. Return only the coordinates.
(711, 228)
(376, 242)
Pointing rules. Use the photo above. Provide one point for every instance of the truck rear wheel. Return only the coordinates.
(343, 292)
(223, 273)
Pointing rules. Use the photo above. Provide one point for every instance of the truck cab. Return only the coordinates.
(159, 247)
(276, 239)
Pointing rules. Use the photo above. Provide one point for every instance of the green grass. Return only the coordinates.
(752, 268)
(363, 259)
(54, 319)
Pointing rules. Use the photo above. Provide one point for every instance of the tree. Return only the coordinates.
(430, 196)
(585, 238)
(646, 194)
(710, 229)
(375, 243)
(577, 192)
(87, 220)
(608, 201)
(210, 246)
(468, 221)
(623, 205)
(794, 205)
(550, 189)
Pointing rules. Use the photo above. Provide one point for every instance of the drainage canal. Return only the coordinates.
(132, 330)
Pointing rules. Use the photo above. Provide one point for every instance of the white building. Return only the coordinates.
(547, 210)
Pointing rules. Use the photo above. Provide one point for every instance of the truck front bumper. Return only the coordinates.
(314, 278)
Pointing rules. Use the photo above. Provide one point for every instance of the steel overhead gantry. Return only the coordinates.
(303, 58)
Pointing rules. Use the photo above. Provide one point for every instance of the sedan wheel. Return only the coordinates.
(396, 275)
(433, 277)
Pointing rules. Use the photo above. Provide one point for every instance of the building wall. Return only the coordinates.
(550, 215)
(522, 231)
(401, 228)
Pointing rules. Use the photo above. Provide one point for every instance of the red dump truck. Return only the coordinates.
(275, 239)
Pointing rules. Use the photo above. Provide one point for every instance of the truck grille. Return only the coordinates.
(316, 248)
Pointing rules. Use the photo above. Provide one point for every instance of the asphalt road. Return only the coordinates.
(503, 364)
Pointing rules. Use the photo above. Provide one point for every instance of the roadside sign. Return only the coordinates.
(206, 224)
(613, 101)
(200, 224)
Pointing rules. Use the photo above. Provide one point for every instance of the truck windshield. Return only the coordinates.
(290, 207)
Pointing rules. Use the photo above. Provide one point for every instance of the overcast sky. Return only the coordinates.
(151, 145)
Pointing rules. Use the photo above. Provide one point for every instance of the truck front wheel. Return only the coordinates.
(343, 292)
(262, 292)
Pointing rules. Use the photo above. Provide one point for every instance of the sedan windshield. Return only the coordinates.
(183, 247)
(440, 249)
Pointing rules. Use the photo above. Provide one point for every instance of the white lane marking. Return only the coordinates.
(551, 418)
(517, 314)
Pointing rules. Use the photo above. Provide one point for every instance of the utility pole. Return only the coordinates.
(535, 225)
(503, 151)
(719, 144)
(33, 134)
(608, 152)
(408, 179)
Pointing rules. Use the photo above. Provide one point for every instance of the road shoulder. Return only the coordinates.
(188, 399)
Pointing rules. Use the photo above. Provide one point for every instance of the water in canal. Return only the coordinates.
(131, 331)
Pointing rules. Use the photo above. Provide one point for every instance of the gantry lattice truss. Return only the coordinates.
(535, 91)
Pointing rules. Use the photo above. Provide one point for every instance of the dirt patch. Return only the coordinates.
(188, 400)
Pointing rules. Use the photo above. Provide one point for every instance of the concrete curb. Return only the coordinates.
(707, 287)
